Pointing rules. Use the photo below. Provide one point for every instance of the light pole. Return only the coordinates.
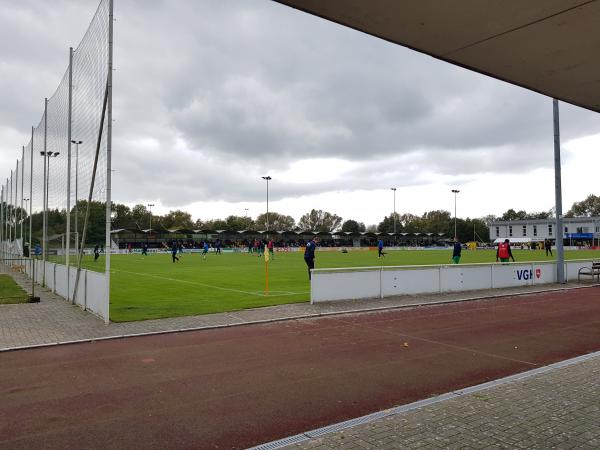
(455, 191)
(246, 209)
(47, 155)
(267, 178)
(76, 142)
(394, 189)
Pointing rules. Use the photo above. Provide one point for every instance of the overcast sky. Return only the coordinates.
(211, 95)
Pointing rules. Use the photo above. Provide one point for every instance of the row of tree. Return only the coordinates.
(586, 208)
(140, 217)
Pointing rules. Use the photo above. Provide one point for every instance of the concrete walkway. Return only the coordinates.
(55, 321)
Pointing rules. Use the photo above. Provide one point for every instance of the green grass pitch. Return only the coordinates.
(151, 287)
(11, 292)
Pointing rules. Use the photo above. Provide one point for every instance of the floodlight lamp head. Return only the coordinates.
(393, 189)
(456, 191)
(267, 178)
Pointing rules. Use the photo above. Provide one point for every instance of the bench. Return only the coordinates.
(592, 271)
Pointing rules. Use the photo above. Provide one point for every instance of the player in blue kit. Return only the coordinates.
(205, 250)
(380, 248)
(309, 255)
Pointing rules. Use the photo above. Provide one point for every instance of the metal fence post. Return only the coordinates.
(31, 193)
(22, 185)
(45, 213)
(69, 129)
(108, 245)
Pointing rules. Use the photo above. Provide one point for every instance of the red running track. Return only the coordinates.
(241, 386)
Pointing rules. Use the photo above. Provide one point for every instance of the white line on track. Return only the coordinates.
(197, 283)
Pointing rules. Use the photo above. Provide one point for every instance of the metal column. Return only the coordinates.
(69, 119)
(107, 246)
(560, 252)
(22, 185)
(45, 213)
(31, 194)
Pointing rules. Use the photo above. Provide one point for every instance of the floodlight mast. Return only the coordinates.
(46, 155)
(267, 179)
(76, 142)
(455, 191)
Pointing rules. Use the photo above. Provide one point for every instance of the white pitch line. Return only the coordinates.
(197, 283)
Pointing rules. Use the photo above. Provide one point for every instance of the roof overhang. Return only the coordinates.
(548, 46)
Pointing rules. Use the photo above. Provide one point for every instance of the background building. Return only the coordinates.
(576, 230)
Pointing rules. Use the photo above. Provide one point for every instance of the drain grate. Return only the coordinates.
(274, 445)
(348, 424)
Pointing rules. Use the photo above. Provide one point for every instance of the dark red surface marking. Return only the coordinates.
(238, 387)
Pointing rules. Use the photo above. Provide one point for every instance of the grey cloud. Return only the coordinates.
(209, 95)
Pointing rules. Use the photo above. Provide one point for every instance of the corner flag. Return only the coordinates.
(267, 257)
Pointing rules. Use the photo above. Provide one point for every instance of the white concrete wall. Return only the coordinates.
(91, 292)
(379, 282)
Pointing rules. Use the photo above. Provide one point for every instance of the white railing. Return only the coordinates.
(379, 282)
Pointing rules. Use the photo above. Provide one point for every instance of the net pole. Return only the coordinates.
(22, 186)
(17, 198)
(7, 214)
(9, 199)
(11, 209)
(14, 201)
(76, 207)
(45, 200)
(13, 196)
(17, 212)
(69, 128)
(7, 221)
(108, 246)
(5, 204)
(13, 215)
(87, 210)
(2, 221)
(31, 192)
(7, 236)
